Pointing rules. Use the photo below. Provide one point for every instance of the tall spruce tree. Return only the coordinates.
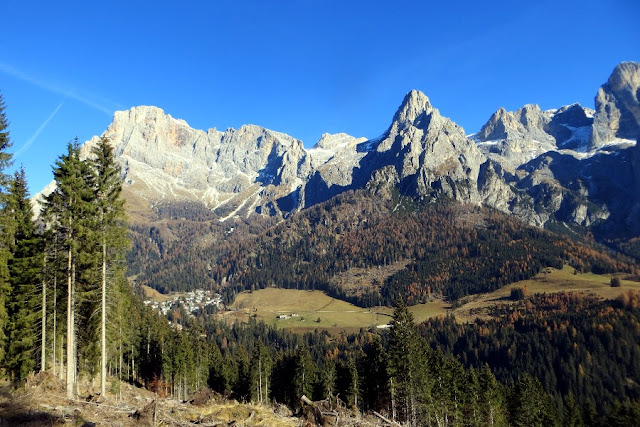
(375, 377)
(111, 233)
(6, 231)
(70, 205)
(492, 402)
(403, 353)
(260, 373)
(24, 269)
(530, 405)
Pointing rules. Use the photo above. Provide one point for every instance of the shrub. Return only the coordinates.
(518, 294)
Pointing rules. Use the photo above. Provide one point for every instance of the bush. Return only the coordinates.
(615, 282)
(518, 294)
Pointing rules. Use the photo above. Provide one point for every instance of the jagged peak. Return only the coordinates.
(502, 123)
(618, 106)
(624, 73)
(414, 105)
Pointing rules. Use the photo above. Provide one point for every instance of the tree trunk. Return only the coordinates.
(260, 377)
(55, 315)
(69, 328)
(393, 401)
(103, 332)
(43, 359)
(74, 344)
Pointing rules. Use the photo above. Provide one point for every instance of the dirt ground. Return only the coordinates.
(42, 401)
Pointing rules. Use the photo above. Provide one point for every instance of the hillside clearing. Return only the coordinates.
(303, 311)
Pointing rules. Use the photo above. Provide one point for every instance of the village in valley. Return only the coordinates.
(193, 302)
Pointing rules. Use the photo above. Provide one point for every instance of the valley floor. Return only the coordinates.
(303, 311)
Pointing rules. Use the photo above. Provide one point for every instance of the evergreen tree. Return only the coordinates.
(403, 365)
(572, 416)
(6, 231)
(53, 274)
(111, 232)
(328, 379)
(492, 405)
(24, 266)
(243, 384)
(260, 373)
(530, 405)
(349, 384)
(70, 206)
(375, 378)
(218, 376)
(304, 374)
(5, 144)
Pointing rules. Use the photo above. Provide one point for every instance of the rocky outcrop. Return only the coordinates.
(514, 138)
(618, 106)
(431, 153)
(335, 157)
(570, 126)
(234, 172)
(529, 122)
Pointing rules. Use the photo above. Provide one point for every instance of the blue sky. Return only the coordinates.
(301, 67)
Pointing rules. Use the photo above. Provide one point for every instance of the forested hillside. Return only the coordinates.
(450, 250)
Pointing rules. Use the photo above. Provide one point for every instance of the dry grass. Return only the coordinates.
(550, 280)
(153, 294)
(42, 402)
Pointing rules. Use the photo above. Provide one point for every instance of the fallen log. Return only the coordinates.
(386, 420)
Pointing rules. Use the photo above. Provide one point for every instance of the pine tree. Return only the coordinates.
(403, 365)
(304, 374)
(260, 373)
(492, 403)
(375, 378)
(6, 231)
(69, 206)
(111, 232)
(530, 405)
(24, 266)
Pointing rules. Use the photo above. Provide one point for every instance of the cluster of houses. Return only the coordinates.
(193, 302)
(287, 316)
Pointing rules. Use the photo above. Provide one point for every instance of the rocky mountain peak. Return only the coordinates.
(574, 115)
(618, 106)
(413, 111)
(524, 122)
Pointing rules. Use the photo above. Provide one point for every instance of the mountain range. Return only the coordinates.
(573, 165)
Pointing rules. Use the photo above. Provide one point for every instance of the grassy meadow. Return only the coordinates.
(315, 310)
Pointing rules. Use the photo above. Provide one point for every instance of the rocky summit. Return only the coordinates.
(571, 165)
(618, 106)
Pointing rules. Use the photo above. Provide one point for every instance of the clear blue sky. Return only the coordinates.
(301, 67)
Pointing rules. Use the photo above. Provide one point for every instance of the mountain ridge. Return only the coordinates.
(238, 173)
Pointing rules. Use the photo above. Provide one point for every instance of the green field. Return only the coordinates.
(314, 309)
(550, 280)
(309, 310)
